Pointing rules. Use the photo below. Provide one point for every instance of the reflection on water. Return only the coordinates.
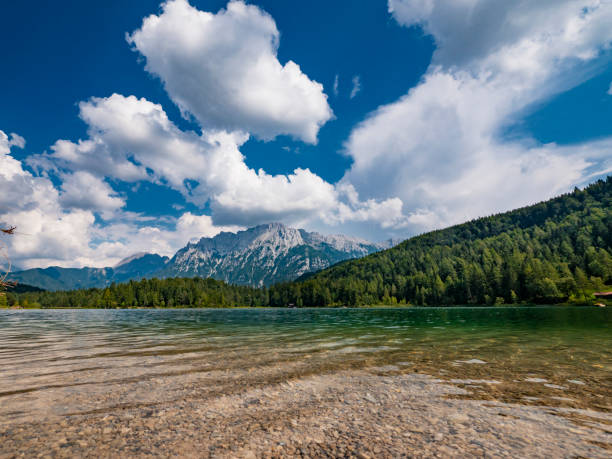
(58, 362)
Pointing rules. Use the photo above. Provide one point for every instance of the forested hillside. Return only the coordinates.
(550, 252)
(192, 292)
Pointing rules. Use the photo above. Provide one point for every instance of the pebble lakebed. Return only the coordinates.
(326, 384)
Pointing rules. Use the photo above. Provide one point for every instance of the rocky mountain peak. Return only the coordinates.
(265, 254)
(131, 258)
(261, 255)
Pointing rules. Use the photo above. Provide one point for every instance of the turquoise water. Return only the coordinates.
(58, 362)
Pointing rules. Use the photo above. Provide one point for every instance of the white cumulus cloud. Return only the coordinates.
(436, 156)
(47, 231)
(470, 30)
(58, 226)
(223, 69)
(440, 148)
(124, 236)
(133, 139)
(82, 190)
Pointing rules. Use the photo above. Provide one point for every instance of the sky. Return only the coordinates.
(139, 126)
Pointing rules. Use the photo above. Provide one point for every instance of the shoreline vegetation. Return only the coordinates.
(194, 293)
(409, 306)
(554, 252)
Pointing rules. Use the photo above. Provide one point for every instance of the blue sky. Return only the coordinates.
(374, 119)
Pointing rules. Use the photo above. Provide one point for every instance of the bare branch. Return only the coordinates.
(4, 254)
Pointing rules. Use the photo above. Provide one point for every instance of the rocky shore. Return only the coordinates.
(361, 414)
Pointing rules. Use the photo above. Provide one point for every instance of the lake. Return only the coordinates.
(122, 382)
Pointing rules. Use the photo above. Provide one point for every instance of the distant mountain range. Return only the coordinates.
(56, 278)
(557, 251)
(262, 255)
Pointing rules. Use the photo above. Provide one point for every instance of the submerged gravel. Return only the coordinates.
(460, 382)
(361, 414)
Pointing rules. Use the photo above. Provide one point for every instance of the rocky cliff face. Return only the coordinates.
(265, 254)
(258, 256)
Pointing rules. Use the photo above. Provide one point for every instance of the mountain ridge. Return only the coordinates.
(264, 254)
(556, 251)
(257, 256)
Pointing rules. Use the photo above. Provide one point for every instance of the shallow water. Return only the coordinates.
(71, 362)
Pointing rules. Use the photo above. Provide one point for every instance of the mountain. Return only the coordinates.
(555, 251)
(258, 256)
(138, 266)
(56, 278)
(264, 255)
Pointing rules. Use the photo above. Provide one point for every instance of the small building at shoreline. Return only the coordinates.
(604, 295)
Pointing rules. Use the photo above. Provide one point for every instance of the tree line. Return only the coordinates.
(174, 292)
(552, 252)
